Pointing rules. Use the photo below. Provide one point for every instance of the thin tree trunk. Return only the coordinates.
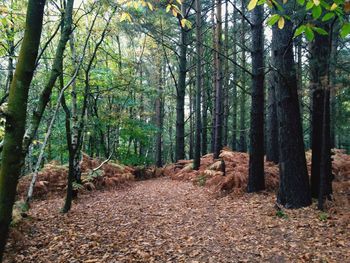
(213, 89)
(192, 102)
(159, 117)
(180, 96)
(242, 120)
(199, 84)
(234, 86)
(226, 78)
(218, 84)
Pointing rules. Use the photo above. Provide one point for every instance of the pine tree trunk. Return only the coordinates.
(333, 82)
(242, 132)
(226, 78)
(199, 84)
(234, 87)
(294, 191)
(214, 76)
(272, 148)
(219, 109)
(180, 96)
(159, 117)
(321, 152)
(256, 180)
(12, 154)
(192, 102)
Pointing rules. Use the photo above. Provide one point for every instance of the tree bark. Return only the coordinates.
(180, 96)
(54, 74)
(226, 78)
(234, 87)
(294, 191)
(159, 117)
(199, 84)
(12, 154)
(242, 120)
(256, 179)
(218, 83)
(321, 151)
(272, 148)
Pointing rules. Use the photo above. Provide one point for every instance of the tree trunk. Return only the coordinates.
(192, 102)
(242, 132)
(199, 84)
(256, 180)
(218, 84)
(321, 158)
(226, 78)
(294, 191)
(333, 82)
(180, 96)
(272, 148)
(55, 73)
(12, 154)
(159, 117)
(234, 87)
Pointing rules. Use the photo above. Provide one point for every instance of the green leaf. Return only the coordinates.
(309, 5)
(276, 4)
(316, 11)
(320, 31)
(261, 2)
(299, 31)
(327, 17)
(273, 19)
(309, 33)
(345, 30)
(252, 4)
(301, 2)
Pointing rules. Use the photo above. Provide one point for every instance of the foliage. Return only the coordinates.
(317, 10)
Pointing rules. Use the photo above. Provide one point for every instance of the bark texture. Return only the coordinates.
(12, 155)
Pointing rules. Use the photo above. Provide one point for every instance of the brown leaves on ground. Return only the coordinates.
(52, 179)
(163, 220)
(211, 172)
(236, 166)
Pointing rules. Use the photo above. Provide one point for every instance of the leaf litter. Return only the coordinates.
(165, 220)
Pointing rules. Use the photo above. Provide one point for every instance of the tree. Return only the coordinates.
(181, 90)
(219, 114)
(256, 180)
(54, 74)
(197, 155)
(242, 120)
(272, 148)
(294, 189)
(321, 148)
(12, 154)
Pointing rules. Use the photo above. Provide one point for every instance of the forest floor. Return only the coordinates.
(163, 220)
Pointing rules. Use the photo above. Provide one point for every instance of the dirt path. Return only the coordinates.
(170, 221)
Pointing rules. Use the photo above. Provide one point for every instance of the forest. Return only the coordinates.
(174, 131)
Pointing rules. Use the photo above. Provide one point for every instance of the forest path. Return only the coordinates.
(162, 220)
